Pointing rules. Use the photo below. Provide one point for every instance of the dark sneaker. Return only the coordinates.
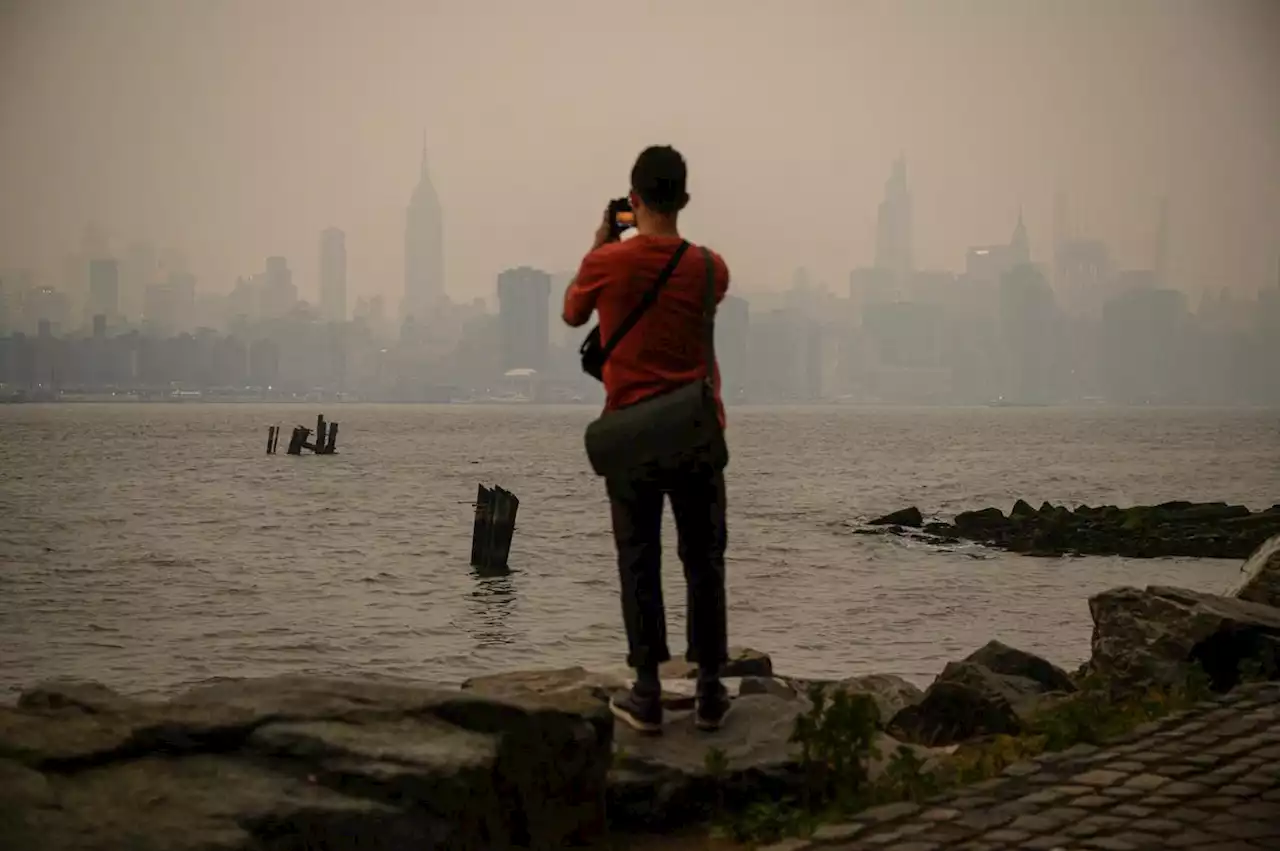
(641, 712)
(711, 708)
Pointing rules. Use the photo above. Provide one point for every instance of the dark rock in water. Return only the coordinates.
(301, 762)
(1155, 636)
(910, 517)
(966, 701)
(1197, 530)
(1263, 586)
(981, 520)
(1021, 508)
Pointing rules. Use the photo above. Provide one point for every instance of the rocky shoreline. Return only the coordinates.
(532, 759)
(1187, 529)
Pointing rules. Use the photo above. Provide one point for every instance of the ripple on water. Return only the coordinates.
(127, 561)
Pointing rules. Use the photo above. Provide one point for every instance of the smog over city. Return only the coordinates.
(666, 425)
(854, 162)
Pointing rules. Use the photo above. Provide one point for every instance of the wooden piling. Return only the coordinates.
(503, 528)
(493, 529)
(480, 529)
(320, 428)
(275, 444)
(331, 446)
(298, 441)
(271, 436)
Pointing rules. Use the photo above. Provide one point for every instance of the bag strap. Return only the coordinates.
(645, 303)
(709, 317)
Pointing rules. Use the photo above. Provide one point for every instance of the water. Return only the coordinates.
(152, 546)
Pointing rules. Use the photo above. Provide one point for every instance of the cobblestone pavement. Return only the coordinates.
(1207, 779)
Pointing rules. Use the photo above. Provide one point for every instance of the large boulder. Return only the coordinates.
(301, 762)
(1154, 637)
(1010, 661)
(890, 692)
(1262, 575)
(996, 689)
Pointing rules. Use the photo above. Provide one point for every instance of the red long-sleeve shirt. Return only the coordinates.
(665, 348)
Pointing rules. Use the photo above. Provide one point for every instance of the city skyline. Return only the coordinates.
(1142, 119)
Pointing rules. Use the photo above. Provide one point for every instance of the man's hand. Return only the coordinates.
(604, 233)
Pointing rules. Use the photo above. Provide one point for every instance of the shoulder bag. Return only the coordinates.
(593, 354)
(672, 431)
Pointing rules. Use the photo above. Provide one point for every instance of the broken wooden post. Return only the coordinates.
(271, 436)
(493, 529)
(319, 444)
(298, 441)
(275, 440)
(503, 528)
(331, 447)
(480, 529)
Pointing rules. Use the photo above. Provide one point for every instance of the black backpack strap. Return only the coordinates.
(645, 303)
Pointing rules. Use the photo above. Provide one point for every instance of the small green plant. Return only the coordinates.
(835, 738)
(1094, 714)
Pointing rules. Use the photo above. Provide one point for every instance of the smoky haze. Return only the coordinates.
(233, 130)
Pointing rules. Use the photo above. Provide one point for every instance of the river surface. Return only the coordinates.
(153, 546)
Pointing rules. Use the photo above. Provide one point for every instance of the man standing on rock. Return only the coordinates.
(665, 350)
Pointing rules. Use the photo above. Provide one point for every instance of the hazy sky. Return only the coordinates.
(235, 129)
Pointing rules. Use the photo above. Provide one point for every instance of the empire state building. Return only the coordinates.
(423, 251)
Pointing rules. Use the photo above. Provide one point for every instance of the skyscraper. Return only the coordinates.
(893, 224)
(333, 275)
(524, 297)
(279, 293)
(423, 250)
(104, 289)
(1019, 245)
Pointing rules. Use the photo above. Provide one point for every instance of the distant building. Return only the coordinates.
(169, 307)
(993, 262)
(104, 289)
(524, 296)
(333, 275)
(871, 285)
(138, 273)
(242, 301)
(46, 307)
(423, 251)
(893, 225)
(785, 355)
(1082, 272)
(279, 294)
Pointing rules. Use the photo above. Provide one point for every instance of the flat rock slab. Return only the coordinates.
(1205, 779)
(679, 777)
(291, 763)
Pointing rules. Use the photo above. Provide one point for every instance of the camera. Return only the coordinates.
(622, 216)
